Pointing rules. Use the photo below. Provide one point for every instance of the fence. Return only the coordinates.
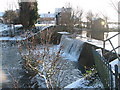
(116, 74)
(117, 78)
(104, 68)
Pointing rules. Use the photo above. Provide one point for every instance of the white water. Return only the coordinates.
(71, 48)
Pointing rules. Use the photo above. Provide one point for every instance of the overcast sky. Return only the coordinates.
(96, 6)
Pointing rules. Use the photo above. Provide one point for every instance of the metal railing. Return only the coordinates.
(116, 73)
(113, 48)
(104, 70)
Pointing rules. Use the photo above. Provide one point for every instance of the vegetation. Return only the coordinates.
(69, 17)
(28, 14)
(41, 61)
(10, 17)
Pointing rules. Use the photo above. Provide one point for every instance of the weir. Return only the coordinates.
(80, 49)
(71, 47)
(77, 50)
(87, 55)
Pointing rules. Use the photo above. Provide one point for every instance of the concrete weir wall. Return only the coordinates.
(79, 50)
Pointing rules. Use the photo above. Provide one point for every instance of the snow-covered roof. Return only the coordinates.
(1, 14)
(47, 15)
(58, 10)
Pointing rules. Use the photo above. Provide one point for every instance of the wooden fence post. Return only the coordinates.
(116, 76)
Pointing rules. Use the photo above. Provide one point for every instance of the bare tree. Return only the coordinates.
(89, 17)
(77, 15)
(106, 18)
(43, 61)
(70, 16)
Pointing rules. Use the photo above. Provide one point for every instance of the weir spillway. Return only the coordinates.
(80, 49)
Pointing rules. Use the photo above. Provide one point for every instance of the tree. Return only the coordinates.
(28, 13)
(70, 16)
(77, 15)
(89, 19)
(10, 16)
(106, 21)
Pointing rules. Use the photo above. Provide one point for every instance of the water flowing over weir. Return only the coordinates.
(77, 50)
(71, 48)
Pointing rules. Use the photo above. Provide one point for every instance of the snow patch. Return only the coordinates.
(63, 33)
(113, 63)
(4, 27)
(11, 38)
(83, 83)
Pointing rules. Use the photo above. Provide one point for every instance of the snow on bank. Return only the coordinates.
(68, 70)
(69, 75)
(11, 38)
(4, 27)
(83, 83)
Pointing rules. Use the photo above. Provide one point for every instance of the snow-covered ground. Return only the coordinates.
(5, 35)
(11, 38)
(3, 27)
(69, 72)
(83, 83)
(114, 41)
(71, 76)
(99, 43)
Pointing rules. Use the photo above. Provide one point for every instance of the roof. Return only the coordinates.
(1, 13)
(47, 15)
(57, 10)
